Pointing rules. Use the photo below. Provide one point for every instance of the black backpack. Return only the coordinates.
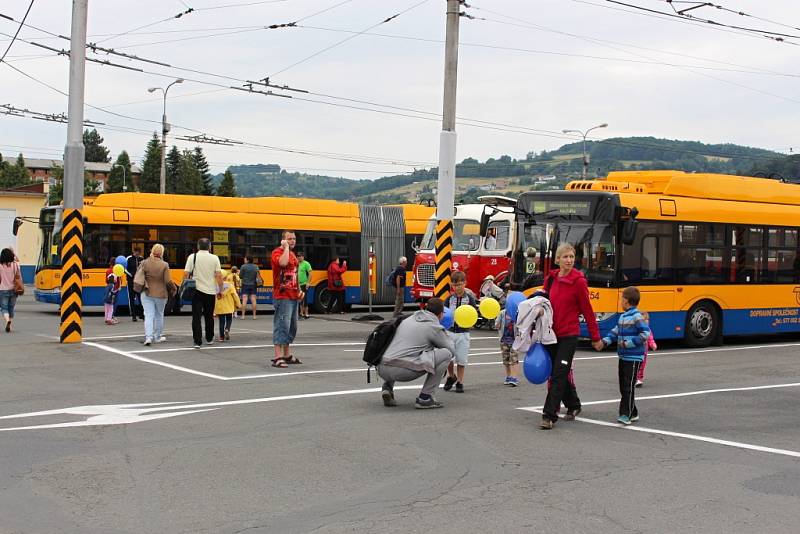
(378, 341)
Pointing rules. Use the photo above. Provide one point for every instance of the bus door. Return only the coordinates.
(648, 265)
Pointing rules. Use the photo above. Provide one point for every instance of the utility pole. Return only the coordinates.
(71, 330)
(164, 130)
(446, 185)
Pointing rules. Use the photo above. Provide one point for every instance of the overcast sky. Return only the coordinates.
(542, 65)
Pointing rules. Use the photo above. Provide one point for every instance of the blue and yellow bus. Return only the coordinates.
(713, 255)
(116, 223)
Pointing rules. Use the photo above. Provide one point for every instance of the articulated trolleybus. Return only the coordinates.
(478, 257)
(713, 255)
(117, 223)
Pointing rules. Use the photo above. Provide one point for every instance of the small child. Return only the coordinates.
(505, 325)
(631, 335)
(226, 306)
(113, 283)
(651, 345)
(459, 335)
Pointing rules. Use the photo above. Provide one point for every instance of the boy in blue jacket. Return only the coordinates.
(631, 335)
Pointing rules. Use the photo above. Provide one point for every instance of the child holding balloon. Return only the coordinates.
(459, 333)
(113, 283)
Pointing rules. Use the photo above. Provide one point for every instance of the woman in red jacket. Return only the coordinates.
(569, 296)
(336, 284)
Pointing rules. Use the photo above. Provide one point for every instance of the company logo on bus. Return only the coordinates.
(797, 294)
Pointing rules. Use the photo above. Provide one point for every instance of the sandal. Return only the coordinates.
(279, 362)
(292, 360)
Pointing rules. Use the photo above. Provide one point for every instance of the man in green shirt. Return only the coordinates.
(303, 278)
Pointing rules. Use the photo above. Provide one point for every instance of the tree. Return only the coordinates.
(14, 175)
(227, 187)
(173, 164)
(95, 151)
(56, 194)
(202, 167)
(189, 180)
(150, 180)
(120, 174)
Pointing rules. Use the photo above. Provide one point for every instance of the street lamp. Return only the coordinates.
(584, 134)
(164, 130)
(124, 187)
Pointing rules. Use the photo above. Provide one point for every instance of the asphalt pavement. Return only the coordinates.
(110, 436)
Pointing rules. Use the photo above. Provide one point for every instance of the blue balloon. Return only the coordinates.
(121, 260)
(447, 319)
(537, 366)
(513, 301)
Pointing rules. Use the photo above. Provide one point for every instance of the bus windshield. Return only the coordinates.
(50, 224)
(466, 235)
(595, 248)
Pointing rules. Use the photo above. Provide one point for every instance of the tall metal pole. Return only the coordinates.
(70, 328)
(585, 161)
(163, 182)
(445, 205)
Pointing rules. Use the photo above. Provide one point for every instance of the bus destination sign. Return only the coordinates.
(557, 208)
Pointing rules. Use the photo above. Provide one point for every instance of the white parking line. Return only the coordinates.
(727, 443)
(154, 362)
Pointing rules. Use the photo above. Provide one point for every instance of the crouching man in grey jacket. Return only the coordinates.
(420, 347)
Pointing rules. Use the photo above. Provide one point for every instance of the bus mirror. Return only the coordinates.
(484, 224)
(415, 245)
(17, 224)
(629, 228)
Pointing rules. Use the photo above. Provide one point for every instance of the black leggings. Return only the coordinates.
(336, 296)
(561, 355)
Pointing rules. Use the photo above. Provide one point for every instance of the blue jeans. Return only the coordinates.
(153, 316)
(284, 324)
(8, 298)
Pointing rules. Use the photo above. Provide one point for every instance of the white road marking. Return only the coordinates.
(693, 437)
(154, 362)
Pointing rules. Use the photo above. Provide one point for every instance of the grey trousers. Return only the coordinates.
(392, 374)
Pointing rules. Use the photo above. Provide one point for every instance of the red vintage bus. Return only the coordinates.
(477, 257)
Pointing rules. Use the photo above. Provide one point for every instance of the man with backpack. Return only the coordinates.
(420, 347)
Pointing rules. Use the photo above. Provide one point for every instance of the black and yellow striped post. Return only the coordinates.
(71, 276)
(444, 249)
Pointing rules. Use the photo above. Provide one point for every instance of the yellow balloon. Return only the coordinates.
(119, 270)
(466, 316)
(489, 308)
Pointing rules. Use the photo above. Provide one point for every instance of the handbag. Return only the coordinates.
(19, 286)
(188, 286)
(139, 280)
(338, 283)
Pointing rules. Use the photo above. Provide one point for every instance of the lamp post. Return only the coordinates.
(585, 172)
(124, 187)
(164, 130)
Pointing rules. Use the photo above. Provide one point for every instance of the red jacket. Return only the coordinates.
(335, 274)
(569, 296)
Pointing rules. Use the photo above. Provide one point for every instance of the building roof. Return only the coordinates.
(91, 166)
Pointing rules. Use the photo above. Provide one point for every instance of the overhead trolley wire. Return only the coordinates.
(19, 28)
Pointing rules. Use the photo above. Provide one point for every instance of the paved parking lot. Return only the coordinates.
(112, 436)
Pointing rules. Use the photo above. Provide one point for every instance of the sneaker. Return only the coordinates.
(506, 380)
(448, 384)
(148, 341)
(624, 419)
(210, 342)
(424, 404)
(634, 418)
(639, 383)
(135, 319)
(114, 321)
(161, 339)
(221, 338)
(459, 387)
(197, 345)
(572, 414)
(227, 335)
(108, 321)
(388, 398)
(513, 381)
(546, 424)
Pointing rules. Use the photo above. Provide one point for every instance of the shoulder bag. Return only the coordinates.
(139, 279)
(189, 286)
(19, 286)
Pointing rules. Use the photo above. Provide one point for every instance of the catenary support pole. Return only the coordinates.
(445, 202)
(72, 228)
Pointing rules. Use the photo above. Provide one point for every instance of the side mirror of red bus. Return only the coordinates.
(17, 224)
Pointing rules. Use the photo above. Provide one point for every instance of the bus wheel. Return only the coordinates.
(702, 324)
(321, 298)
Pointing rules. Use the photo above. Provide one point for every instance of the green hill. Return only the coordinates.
(512, 176)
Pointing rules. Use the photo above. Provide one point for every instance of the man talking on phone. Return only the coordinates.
(286, 296)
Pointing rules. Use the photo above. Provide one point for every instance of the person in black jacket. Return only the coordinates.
(134, 299)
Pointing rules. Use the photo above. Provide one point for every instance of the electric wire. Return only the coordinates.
(19, 28)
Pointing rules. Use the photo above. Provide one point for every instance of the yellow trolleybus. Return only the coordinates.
(713, 255)
(116, 223)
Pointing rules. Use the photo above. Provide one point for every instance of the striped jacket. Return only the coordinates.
(630, 334)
